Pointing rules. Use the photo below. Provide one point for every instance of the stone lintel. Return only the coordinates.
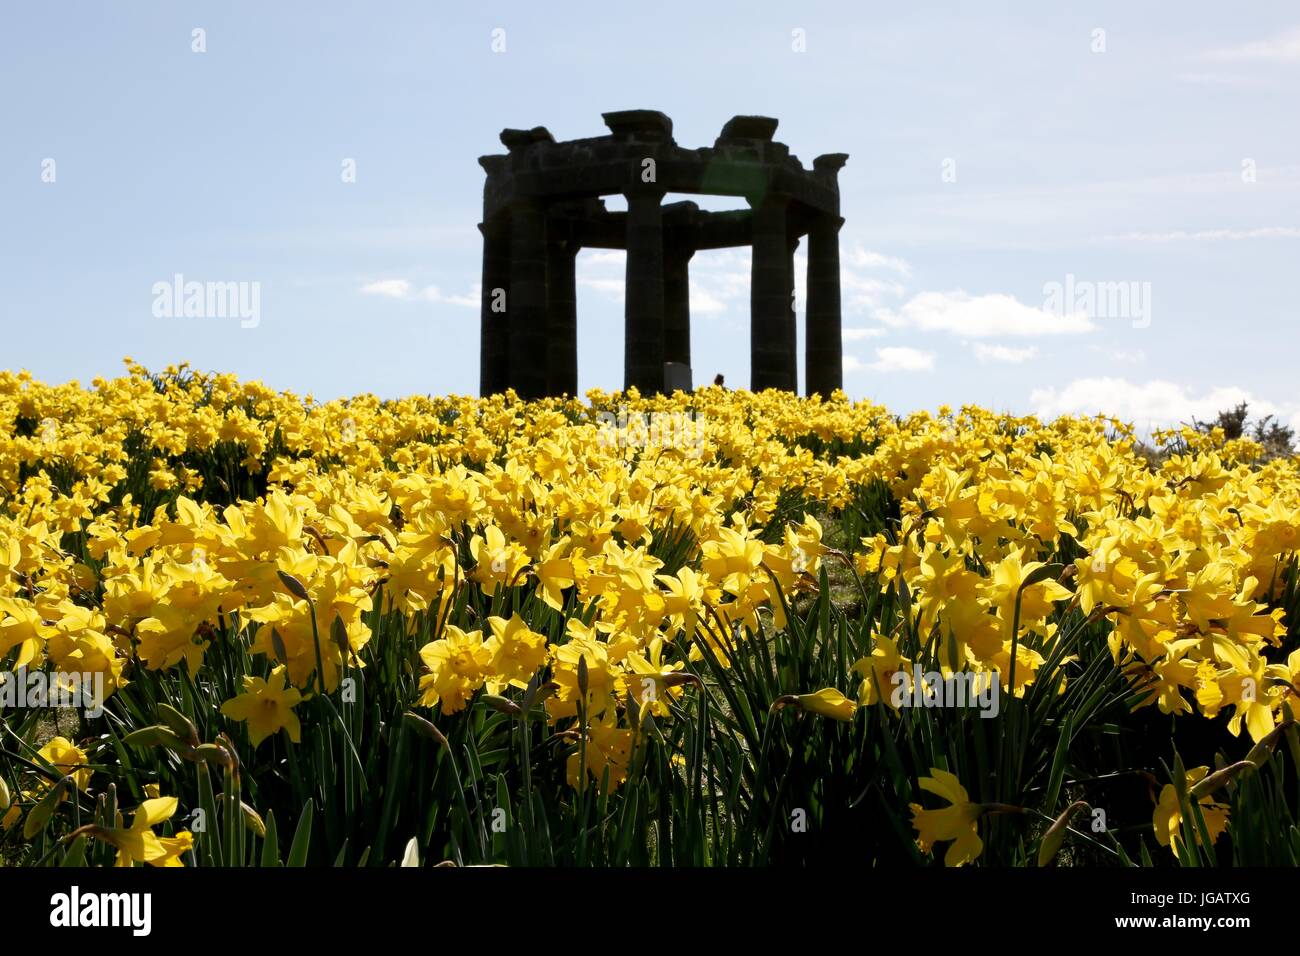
(560, 173)
(683, 209)
(519, 139)
(830, 162)
(639, 124)
(761, 128)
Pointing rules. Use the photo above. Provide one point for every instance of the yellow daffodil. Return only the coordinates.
(68, 759)
(458, 665)
(1168, 819)
(516, 652)
(138, 843)
(266, 706)
(956, 822)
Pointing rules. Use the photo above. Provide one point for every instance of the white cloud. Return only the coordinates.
(1123, 356)
(865, 293)
(723, 274)
(1208, 235)
(392, 288)
(982, 316)
(900, 358)
(704, 302)
(1283, 48)
(402, 289)
(471, 300)
(1157, 403)
(860, 258)
(610, 287)
(1221, 79)
(1004, 353)
(855, 333)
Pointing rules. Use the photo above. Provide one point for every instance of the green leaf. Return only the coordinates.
(1057, 774)
(76, 855)
(301, 838)
(271, 842)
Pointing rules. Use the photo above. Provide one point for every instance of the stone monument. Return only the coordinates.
(542, 202)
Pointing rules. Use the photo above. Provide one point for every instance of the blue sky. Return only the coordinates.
(995, 149)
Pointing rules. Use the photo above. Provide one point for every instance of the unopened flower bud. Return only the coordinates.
(827, 702)
(1055, 835)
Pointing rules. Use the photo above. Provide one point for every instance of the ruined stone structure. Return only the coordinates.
(542, 203)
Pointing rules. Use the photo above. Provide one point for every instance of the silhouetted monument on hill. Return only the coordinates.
(542, 203)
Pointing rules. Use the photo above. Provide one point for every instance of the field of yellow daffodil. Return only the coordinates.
(717, 628)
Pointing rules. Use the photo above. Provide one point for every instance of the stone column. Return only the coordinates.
(824, 357)
(792, 317)
(562, 318)
(643, 336)
(527, 300)
(772, 360)
(494, 343)
(677, 304)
